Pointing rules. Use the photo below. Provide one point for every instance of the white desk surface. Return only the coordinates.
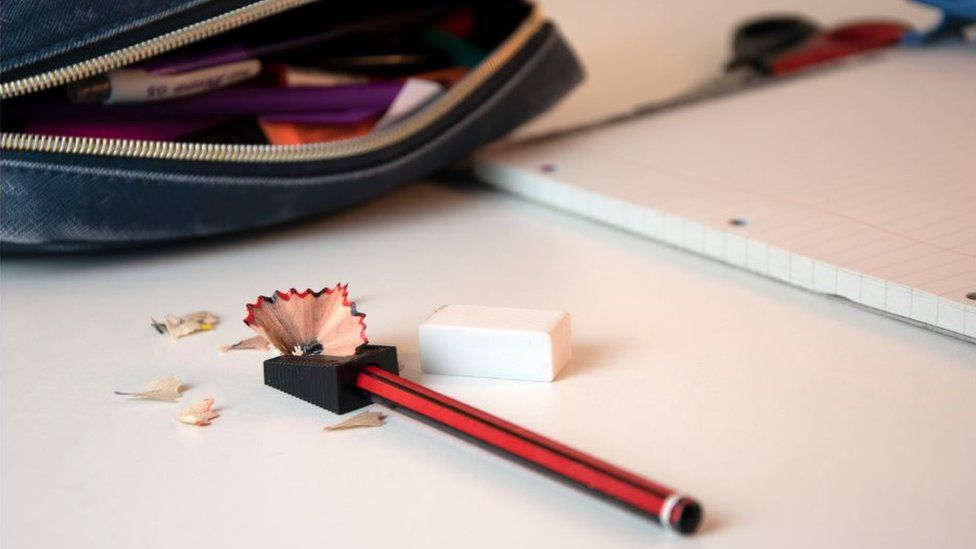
(798, 421)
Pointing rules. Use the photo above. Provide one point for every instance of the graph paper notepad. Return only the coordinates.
(857, 181)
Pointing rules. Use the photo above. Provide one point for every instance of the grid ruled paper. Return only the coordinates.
(857, 181)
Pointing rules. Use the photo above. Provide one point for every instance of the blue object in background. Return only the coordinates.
(956, 15)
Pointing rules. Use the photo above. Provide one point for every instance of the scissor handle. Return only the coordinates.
(757, 41)
(839, 42)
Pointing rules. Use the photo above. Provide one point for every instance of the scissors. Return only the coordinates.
(770, 47)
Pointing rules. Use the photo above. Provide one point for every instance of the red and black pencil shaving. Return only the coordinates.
(311, 328)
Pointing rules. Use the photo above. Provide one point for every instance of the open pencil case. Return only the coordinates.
(64, 192)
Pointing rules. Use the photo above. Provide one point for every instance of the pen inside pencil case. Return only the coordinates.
(283, 81)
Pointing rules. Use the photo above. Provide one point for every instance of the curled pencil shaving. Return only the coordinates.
(256, 343)
(308, 322)
(199, 414)
(182, 326)
(364, 419)
(166, 389)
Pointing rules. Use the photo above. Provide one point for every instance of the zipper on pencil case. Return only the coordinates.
(216, 152)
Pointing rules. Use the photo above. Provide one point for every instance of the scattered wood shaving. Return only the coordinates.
(182, 326)
(364, 419)
(166, 389)
(256, 343)
(199, 414)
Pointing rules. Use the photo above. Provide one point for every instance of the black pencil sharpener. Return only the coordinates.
(328, 381)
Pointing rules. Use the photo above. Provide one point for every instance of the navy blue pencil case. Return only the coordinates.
(71, 193)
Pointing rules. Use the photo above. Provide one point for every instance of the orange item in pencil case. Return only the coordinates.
(287, 133)
(445, 77)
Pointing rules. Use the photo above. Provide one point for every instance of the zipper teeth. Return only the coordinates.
(214, 152)
(150, 48)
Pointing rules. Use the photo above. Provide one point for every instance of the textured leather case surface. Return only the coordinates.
(66, 202)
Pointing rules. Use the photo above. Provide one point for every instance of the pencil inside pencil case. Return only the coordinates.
(316, 105)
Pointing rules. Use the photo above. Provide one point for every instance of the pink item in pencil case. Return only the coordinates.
(350, 116)
(140, 130)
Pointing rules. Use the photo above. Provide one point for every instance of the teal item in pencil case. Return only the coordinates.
(462, 52)
(956, 16)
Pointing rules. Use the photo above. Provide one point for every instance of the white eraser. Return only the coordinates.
(497, 342)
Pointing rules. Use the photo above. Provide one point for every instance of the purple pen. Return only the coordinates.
(174, 64)
(229, 102)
